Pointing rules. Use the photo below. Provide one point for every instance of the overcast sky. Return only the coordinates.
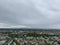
(30, 13)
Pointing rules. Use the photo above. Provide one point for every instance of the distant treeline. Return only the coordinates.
(27, 29)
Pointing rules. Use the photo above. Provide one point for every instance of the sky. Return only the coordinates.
(30, 14)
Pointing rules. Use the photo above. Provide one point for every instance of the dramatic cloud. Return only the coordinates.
(33, 13)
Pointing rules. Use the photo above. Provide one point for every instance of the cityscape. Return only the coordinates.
(29, 37)
(29, 22)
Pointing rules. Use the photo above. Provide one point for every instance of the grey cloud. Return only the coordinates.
(34, 13)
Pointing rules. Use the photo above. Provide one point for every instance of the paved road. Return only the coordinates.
(9, 42)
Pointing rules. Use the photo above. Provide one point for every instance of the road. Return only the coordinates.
(9, 42)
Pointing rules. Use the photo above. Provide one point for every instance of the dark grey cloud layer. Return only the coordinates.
(33, 13)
